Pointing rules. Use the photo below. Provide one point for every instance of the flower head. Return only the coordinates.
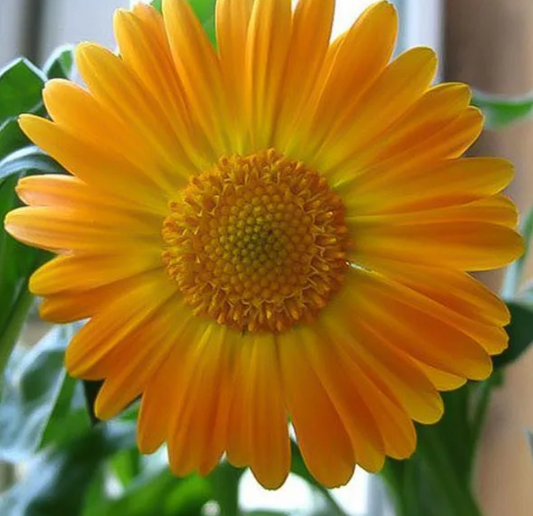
(277, 229)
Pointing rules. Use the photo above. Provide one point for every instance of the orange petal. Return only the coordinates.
(448, 183)
(198, 425)
(326, 448)
(117, 321)
(76, 305)
(490, 336)
(464, 245)
(386, 365)
(438, 126)
(131, 364)
(406, 320)
(165, 389)
(117, 88)
(97, 166)
(70, 194)
(358, 420)
(86, 272)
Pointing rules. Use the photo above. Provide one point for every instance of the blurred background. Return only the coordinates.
(486, 43)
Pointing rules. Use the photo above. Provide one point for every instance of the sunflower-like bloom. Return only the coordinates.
(275, 230)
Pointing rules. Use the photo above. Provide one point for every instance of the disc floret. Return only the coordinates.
(257, 243)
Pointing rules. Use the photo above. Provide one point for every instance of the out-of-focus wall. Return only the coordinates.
(489, 44)
(11, 29)
(56, 22)
(68, 21)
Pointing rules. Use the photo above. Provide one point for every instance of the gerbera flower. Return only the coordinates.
(276, 230)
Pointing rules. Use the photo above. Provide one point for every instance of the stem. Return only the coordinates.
(459, 496)
(225, 480)
(334, 509)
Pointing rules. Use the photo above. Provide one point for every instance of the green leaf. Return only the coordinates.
(58, 480)
(204, 10)
(160, 494)
(21, 84)
(17, 262)
(515, 272)
(225, 482)
(32, 388)
(11, 137)
(501, 110)
(69, 418)
(520, 331)
(60, 65)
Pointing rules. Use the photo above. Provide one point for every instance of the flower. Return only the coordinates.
(277, 229)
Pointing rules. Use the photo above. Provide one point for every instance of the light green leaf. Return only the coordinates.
(58, 479)
(32, 387)
(28, 160)
(501, 110)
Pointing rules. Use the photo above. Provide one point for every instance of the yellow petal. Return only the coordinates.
(232, 19)
(398, 87)
(311, 31)
(145, 50)
(497, 209)
(117, 88)
(75, 305)
(198, 67)
(267, 45)
(59, 230)
(351, 68)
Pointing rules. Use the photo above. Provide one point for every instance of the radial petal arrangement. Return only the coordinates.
(277, 230)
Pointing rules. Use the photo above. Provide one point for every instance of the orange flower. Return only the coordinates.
(277, 229)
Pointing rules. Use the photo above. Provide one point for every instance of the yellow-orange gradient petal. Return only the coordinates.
(276, 229)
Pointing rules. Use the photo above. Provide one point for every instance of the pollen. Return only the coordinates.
(257, 243)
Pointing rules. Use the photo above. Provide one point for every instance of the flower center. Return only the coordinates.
(257, 243)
